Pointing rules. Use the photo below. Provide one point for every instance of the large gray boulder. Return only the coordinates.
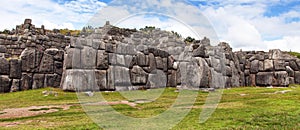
(38, 81)
(102, 60)
(73, 58)
(4, 66)
(59, 56)
(138, 76)
(5, 84)
(294, 65)
(52, 80)
(261, 66)
(15, 86)
(128, 59)
(268, 65)
(279, 65)
(15, 69)
(290, 71)
(28, 58)
(88, 58)
(254, 68)
(26, 81)
(172, 79)
(47, 64)
(79, 80)
(281, 78)
(58, 67)
(276, 54)
(120, 60)
(297, 77)
(142, 59)
(110, 79)
(264, 78)
(235, 78)
(159, 63)
(191, 75)
(199, 52)
(206, 74)
(121, 76)
(157, 79)
(101, 79)
(3, 49)
(217, 80)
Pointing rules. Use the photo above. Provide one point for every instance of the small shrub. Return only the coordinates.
(189, 40)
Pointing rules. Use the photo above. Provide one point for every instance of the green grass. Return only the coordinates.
(295, 54)
(239, 108)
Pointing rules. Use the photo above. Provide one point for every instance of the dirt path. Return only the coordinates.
(39, 110)
(31, 111)
(113, 103)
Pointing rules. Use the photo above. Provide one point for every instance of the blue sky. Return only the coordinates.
(245, 24)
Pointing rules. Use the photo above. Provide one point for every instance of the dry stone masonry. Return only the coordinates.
(115, 59)
(31, 58)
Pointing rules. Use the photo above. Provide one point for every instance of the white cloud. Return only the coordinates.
(287, 43)
(61, 15)
(88, 6)
(49, 24)
(245, 26)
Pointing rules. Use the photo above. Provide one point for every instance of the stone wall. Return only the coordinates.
(117, 59)
(31, 58)
(273, 68)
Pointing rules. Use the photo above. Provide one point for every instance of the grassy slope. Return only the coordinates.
(256, 110)
(297, 54)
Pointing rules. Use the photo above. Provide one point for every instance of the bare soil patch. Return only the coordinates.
(31, 111)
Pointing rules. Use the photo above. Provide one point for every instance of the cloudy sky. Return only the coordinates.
(245, 24)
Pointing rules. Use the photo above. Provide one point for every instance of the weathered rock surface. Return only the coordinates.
(138, 76)
(264, 78)
(102, 60)
(38, 81)
(15, 69)
(28, 57)
(5, 84)
(4, 66)
(26, 81)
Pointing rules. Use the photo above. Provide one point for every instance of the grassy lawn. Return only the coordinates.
(239, 108)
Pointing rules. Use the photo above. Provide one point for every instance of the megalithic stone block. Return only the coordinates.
(5, 83)
(38, 81)
(26, 81)
(264, 78)
(4, 66)
(15, 69)
(28, 58)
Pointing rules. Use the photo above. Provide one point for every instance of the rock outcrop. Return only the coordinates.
(117, 59)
